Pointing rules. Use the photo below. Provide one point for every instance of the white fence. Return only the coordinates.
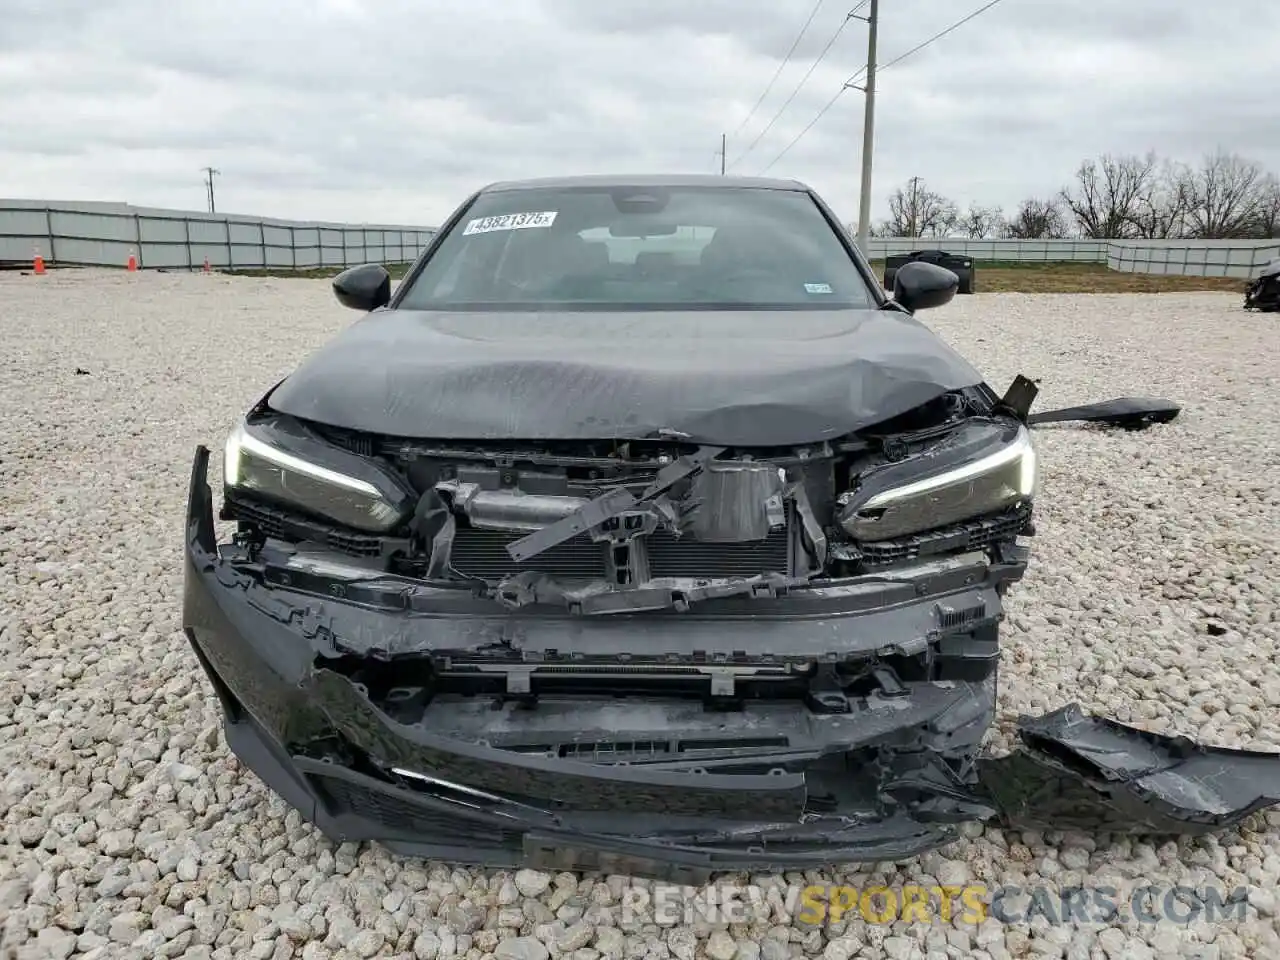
(1045, 251)
(1198, 258)
(1194, 258)
(104, 234)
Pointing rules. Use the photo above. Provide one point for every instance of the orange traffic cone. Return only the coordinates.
(38, 262)
(132, 265)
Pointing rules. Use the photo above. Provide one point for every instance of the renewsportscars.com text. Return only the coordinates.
(818, 904)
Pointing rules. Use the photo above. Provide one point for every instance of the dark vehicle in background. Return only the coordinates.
(1263, 291)
(638, 530)
(959, 264)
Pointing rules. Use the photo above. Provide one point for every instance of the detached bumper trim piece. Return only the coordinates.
(1081, 772)
(1131, 413)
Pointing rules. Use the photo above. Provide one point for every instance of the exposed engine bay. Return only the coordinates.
(660, 524)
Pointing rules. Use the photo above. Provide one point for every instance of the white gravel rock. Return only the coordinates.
(610, 942)
(127, 830)
(720, 946)
(521, 948)
(533, 883)
(55, 943)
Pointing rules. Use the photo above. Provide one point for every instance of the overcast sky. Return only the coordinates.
(394, 110)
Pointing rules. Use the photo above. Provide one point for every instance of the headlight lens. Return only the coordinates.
(281, 461)
(983, 470)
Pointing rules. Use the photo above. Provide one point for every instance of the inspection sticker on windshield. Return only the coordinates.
(510, 221)
(817, 288)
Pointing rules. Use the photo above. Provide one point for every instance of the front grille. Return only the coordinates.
(483, 554)
(971, 535)
(404, 816)
(671, 557)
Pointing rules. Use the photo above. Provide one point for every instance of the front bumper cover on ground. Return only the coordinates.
(1074, 771)
(770, 786)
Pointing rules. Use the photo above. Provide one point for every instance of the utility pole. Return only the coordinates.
(210, 173)
(868, 130)
(914, 221)
(723, 143)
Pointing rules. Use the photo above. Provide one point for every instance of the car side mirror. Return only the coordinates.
(366, 287)
(919, 285)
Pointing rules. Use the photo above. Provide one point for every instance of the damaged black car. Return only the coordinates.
(639, 530)
(1263, 292)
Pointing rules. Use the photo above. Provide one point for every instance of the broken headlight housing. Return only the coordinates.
(983, 468)
(280, 461)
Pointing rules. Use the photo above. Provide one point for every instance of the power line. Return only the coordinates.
(785, 60)
(853, 79)
(808, 126)
(939, 36)
(848, 84)
(794, 93)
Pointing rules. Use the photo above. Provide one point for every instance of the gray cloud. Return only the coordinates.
(396, 110)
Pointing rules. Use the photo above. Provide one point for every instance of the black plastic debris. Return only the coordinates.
(1020, 396)
(1075, 771)
(1131, 413)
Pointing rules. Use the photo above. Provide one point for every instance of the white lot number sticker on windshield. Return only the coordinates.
(817, 288)
(510, 221)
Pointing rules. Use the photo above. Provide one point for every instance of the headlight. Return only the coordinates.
(983, 468)
(279, 460)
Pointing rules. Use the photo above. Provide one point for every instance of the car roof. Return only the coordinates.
(646, 180)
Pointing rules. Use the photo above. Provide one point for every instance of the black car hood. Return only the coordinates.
(758, 378)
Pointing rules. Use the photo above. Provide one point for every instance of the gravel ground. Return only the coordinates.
(126, 829)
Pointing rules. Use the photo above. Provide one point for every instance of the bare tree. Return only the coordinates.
(1225, 195)
(1268, 216)
(917, 211)
(1117, 196)
(1106, 197)
(979, 223)
(1037, 219)
(1162, 209)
